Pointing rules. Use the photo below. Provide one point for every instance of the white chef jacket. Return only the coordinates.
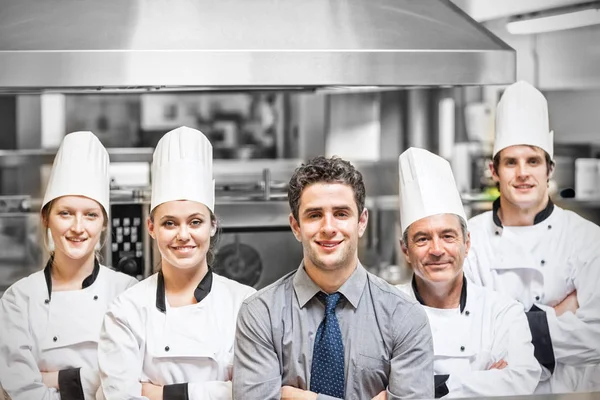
(143, 339)
(485, 329)
(52, 332)
(561, 254)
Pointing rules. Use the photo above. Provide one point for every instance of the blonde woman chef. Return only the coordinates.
(50, 321)
(172, 335)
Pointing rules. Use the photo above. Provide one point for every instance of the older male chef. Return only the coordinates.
(543, 256)
(482, 342)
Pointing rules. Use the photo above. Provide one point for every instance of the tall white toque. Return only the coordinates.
(427, 187)
(80, 169)
(182, 168)
(522, 119)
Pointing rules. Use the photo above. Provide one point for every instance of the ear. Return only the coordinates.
(213, 228)
(468, 244)
(362, 222)
(150, 226)
(405, 252)
(495, 176)
(295, 227)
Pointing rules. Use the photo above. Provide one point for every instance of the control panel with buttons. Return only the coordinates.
(129, 238)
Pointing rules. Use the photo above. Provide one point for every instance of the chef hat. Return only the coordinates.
(80, 169)
(182, 168)
(522, 119)
(427, 187)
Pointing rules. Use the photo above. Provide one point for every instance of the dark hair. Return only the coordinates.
(214, 240)
(45, 214)
(326, 170)
(549, 162)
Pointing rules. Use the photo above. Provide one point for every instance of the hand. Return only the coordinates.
(500, 364)
(50, 379)
(568, 304)
(292, 393)
(381, 396)
(151, 391)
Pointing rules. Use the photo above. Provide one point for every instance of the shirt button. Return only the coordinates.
(496, 233)
(167, 348)
(549, 226)
(47, 301)
(537, 297)
(467, 313)
(543, 262)
(462, 348)
(55, 338)
(95, 297)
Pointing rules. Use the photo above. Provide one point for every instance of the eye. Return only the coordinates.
(342, 214)
(314, 216)
(534, 161)
(196, 222)
(63, 213)
(168, 224)
(93, 215)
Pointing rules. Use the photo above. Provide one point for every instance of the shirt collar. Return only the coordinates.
(463, 293)
(86, 282)
(200, 293)
(352, 289)
(539, 217)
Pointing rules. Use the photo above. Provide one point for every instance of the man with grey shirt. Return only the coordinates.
(331, 330)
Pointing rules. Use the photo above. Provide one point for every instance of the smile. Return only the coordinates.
(523, 186)
(183, 248)
(77, 240)
(329, 244)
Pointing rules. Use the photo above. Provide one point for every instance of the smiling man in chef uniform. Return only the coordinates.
(482, 342)
(543, 256)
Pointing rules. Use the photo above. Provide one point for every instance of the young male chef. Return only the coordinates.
(543, 256)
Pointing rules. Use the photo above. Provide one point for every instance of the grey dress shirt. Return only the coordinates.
(387, 339)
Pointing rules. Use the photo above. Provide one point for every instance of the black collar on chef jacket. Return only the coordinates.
(539, 217)
(87, 282)
(463, 294)
(200, 292)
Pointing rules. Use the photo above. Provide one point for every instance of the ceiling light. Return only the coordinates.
(556, 22)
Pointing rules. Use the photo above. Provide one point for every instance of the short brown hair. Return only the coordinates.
(325, 170)
(549, 162)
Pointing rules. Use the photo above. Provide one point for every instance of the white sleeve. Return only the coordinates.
(19, 374)
(90, 381)
(575, 337)
(119, 355)
(213, 390)
(512, 343)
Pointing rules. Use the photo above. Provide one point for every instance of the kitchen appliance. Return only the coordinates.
(128, 245)
(111, 45)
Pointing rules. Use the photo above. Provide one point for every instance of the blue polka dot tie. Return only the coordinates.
(327, 369)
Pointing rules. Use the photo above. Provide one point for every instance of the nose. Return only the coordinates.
(436, 248)
(328, 227)
(522, 170)
(183, 234)
(77, 226)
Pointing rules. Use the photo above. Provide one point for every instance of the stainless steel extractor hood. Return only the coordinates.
(72, 45)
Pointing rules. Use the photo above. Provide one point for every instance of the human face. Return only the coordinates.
(436, 248)
(182, 230)
(75, 223)
(523, 175)
(329, 226)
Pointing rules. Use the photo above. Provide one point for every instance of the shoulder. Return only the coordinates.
(138, 295)
(273, 293)
(33, 285)
(387, 293)
(480, 221)
(117, 280)
(233, 288)
(492, 301)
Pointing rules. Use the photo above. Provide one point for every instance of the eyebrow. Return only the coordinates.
(421, 233)
(195, 215)
(335, 208)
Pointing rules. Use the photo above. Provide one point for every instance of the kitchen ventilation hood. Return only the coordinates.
(146, 45)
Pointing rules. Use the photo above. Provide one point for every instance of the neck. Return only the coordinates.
(181, 281)
(329, 280)
(440, 295)
(512, 215)
(66, 270)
